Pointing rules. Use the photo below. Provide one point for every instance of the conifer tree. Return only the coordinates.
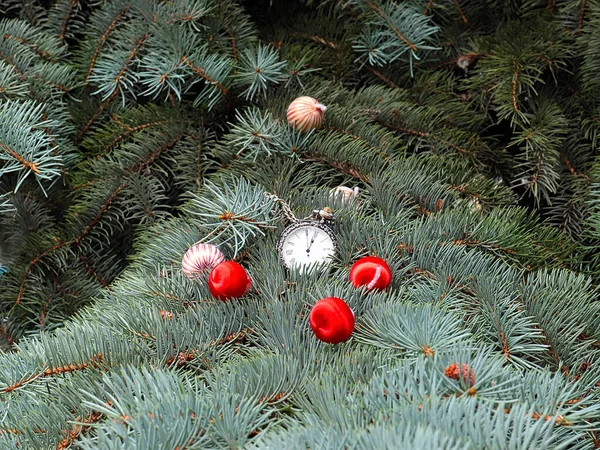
(132, 129)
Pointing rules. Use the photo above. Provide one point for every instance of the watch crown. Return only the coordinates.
(326, 213)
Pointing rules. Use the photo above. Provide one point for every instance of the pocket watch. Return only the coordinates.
(306, 241)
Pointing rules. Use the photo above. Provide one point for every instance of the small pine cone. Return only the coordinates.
(167, 315)
(466, 373)
(182, 358)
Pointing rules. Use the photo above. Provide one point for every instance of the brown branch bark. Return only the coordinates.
(202, 74)
(234, 48)
(102, 40)
(116, 80)
(505, 349)
(99, 215)
(92, 119)
(45, 312)
(33, 262)
(11, 63)
(426, 134)
(376, 8)
(63, 29)
(317, 39)
(130, 58)
(427, 7)
(6, 335)
(26, 164)
(343, 167)
(95, 361)
(138, 167)
(93, 271)
(76, 431)
(128, 131)
(460, 11)
(31, 46)
(581, 15)
(382, 77)
(514, 86)
(572, 169)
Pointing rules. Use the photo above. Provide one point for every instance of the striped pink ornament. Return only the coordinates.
(201, 259)
(306, 113)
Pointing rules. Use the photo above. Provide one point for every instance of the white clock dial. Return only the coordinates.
(306, 244)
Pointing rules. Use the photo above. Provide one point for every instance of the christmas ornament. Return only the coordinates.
(332, 320)
(228, 280)
(201, 258)
(307, 241)
(465, 373)
(344, 193)
(371, 272)
(305, 113)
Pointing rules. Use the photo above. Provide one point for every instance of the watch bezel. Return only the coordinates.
(300, 224)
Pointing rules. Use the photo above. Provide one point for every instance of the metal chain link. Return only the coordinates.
(322, 215)
(285, 208)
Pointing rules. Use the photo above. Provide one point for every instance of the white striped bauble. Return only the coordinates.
(306, 113)
(201, 259)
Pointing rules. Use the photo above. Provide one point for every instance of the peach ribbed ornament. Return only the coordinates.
(306, 113)
(201, 259)
(345, 194)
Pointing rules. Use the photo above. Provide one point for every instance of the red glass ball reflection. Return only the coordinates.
(332, 320)
(371, 272)
(228, 280)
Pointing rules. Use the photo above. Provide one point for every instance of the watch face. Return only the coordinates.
(306, 243)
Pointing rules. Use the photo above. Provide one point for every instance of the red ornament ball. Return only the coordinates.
(371, 272)
(228, 280)
(332, 320)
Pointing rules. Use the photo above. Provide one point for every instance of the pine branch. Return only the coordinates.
(26, 164)
(475, 185)
(460, 12)
(71, 242)
(67, 16)
(515, 79)
(581, 15)
(202, 74)
(103, 39)
(42, 53)
(94, 117)
(94, 362)
(377, 10)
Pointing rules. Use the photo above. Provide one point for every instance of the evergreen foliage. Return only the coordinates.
(130, 130)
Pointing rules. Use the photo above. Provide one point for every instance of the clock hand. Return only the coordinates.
(312, 241)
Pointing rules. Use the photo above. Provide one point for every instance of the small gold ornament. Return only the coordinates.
(306, 113)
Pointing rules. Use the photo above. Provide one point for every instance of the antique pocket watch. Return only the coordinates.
(306, 241)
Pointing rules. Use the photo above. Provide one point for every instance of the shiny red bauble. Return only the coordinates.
(332, 320)
(371, 272)
(228, 280)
